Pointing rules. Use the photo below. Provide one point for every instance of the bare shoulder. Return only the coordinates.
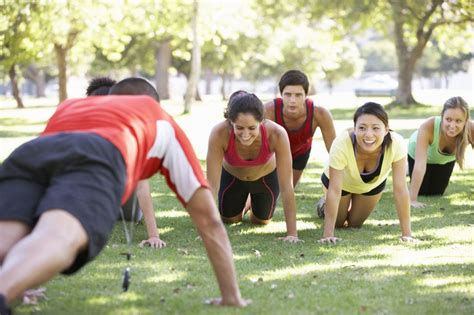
(321, 114)
(269, 109)
(220, 132)
(275, 131)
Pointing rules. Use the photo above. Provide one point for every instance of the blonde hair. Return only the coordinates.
(464, 137)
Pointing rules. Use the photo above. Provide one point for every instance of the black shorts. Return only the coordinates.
(299, 162)
(436, 177)
(233, 194)
(81, 173)
(375, 191)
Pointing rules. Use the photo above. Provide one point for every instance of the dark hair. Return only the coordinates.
(134, 86)
(294, 77)
(244, 102)
(100, 86)
(378, 111)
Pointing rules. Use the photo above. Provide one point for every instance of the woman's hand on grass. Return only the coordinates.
(329, 240)
(409, 239)
(290, 239)
(218, 301)
(417, 204)
(153, 242)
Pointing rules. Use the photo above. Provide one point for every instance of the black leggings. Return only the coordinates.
(436, 177)
(233, 194)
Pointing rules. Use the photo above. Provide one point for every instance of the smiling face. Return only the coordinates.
(453, 122)
(246, 128)
(293, 99)
(370, 132)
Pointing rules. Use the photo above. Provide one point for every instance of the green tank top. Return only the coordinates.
(433, 156)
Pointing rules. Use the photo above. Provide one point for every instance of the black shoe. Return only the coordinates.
(320, 207)
(4, 309)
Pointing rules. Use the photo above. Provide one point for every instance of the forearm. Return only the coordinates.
(146, 205)
(289, 208)
(415, 182)
(219, 252)
(330, 213)
(402, 204)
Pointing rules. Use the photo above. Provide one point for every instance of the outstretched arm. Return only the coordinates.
(215, 155)
(205, 216)
(401, 196)
(146, 204)
(333, 197)
(323, 119)
(285, 182)
(419, 169)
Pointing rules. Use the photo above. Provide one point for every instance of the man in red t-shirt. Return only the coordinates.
(76, 175)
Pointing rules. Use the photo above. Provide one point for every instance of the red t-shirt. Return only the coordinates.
(300, 139)
(148, 138)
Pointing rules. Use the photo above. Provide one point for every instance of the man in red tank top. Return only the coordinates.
(300, 118)
(86, 163)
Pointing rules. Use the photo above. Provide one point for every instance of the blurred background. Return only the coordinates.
(411, 51)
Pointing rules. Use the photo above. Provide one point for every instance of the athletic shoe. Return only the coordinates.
(320, 207)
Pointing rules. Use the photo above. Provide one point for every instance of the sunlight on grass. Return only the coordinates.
(166, 277)
(457, 283)
(454, 234)
(403, 256)
(276, 227)
(99, 300)
(289, 272)
(171, 214)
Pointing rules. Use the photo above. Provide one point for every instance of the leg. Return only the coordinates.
(232, 198)
(343, 210)
(10, 233)
(265, 192)
(362, 207)
(49, 249)
(296, 176)
(439, 178)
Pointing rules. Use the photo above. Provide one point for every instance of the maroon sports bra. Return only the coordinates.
(232, 157)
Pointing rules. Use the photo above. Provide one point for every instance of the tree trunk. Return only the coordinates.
(223, 86)
(208, 78)
(15, 90)
(195, 62)
(36, 75)
(61, 54)
(163, 63)
(407, 57)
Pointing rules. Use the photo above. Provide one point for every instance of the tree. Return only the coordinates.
(195, 61)
(408, 23)
(20, 31)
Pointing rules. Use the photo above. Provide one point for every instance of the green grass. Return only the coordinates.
(369, 272)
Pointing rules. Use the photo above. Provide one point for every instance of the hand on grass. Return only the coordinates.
(153, 242)
(417, 204)
(290, 239)
(218, 301)
(409, 239)
(329, 240)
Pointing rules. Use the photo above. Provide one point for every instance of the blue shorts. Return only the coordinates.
(233, 194)
(81, 173)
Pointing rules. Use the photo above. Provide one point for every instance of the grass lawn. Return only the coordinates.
(369, 272)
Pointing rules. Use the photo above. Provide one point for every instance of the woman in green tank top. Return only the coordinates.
(436, 146)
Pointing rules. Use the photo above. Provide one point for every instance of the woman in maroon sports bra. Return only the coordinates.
(249, 155)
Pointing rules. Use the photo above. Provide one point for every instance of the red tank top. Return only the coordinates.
(232, 157)
(301, 138)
